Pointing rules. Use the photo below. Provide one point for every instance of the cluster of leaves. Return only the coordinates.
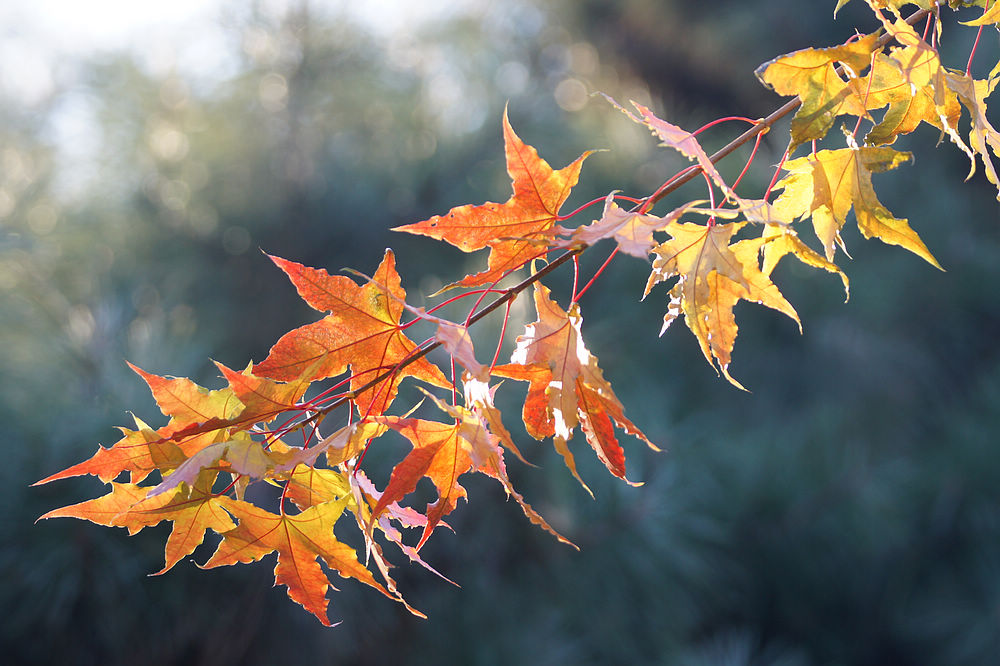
(264, 426)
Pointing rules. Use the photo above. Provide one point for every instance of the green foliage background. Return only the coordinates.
(845, 511)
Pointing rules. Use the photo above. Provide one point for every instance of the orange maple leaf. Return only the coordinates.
(125, 506)
(138, 452)
(511, 230)
(361, 329)
(199, 418)
(439, 454)
(298, 540)
(566, 386)
(443, 452)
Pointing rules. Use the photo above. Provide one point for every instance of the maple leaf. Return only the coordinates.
(443, 452)
(440, 454)
(102, 510)
(264, 399)
(361, 329)
(713, 277)
(914, 84)
(311, 485)
(684, 142)
(125, 506)
(566, 387)
(298, 540)
(479, 397)
(453, 337)
(632, 230)
(898, 4)
(192, 514)
(911, 81)
(242, 454)
(199, 418)
(973, 94)
(138, 452)
(810, 75)
(308, 486)
(989, 17)
(509, 229)
(364, 491)
(187, 403)
(829, 183)
(487, 457)
(781, 240)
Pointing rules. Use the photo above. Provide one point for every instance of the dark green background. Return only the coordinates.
(845, 511)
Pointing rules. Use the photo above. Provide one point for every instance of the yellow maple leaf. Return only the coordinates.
(911, 81)
(826, 185)
(811, 75)
(713, 277)
(973, 94)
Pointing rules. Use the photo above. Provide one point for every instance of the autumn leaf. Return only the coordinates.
(508, 229)
(811, 75)
(713, 277)
(312, 485)
(187, 403)
(487, 457)
(983, 137)
(684, 142)
(632, 230)
(138, 452)
(126, 506)
(102, 510)
(299, 540)
(453, 337)
(911, 81)
(361, 330)
(241, 454)
(828, 184)
(393, 513)
(440, 454)
(479, 397)
(264, 399)
(897, 4)
(989, 17)
(781, 240)
(192, 513)
(566, 387)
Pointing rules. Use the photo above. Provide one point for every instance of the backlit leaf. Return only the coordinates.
(508, 229)
(827, 185)
(811, 75)
(713, 275)
(361, 331)
(299, 540)
(566, 386)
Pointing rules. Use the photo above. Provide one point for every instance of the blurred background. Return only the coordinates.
(845, 511)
